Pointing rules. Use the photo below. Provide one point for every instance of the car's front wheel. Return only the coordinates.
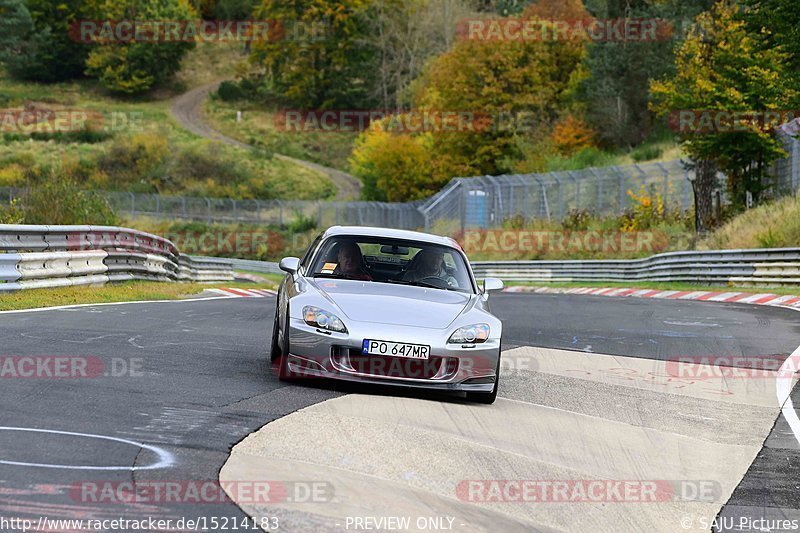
(284, 374)
(487, 397)
(275, 350)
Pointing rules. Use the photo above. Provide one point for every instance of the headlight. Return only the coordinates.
(319, 318)
(470, 334)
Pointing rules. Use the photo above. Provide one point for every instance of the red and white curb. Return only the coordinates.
(244, 293)
(706, 296)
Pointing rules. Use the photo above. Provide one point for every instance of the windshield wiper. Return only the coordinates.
(420, 284)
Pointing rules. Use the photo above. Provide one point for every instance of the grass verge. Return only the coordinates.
(123, 292)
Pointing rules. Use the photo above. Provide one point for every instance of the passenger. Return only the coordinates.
(430, 264)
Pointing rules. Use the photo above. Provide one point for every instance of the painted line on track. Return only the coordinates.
(165, 458)
(107, 304)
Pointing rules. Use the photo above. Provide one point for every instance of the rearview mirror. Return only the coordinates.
(289, 264)
(492, 284)
(394, 250)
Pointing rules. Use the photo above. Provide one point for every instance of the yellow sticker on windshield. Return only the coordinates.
(328, 268)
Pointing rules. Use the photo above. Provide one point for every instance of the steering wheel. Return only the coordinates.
(436, 281)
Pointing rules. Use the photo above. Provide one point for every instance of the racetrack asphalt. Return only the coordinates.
(203, 383)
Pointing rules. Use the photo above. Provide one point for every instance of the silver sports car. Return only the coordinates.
(387, 306)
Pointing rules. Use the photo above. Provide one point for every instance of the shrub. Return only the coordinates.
(646, 153)
(571, 135)
(577, 220)
(230, 91)
(301, 223)
(57, 197)
(137, 163)
(646, 212)
(12, 175)
(12, 213)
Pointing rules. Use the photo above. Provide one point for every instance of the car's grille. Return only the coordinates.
(395, 367)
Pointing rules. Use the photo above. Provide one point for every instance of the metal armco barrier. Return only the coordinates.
(263, 267)
(59, 256)
(779, 266)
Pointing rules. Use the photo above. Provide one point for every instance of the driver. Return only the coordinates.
(351, 262)
(430, 264)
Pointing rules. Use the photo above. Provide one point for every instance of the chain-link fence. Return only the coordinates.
(481, 202)
(787, 170)
(486, 202)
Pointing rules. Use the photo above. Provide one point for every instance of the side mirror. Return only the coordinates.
(492, 284)
(289, 264)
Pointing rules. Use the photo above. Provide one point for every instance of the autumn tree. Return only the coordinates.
(135, 67)
(394, 167)
(321, 57)
(523, 85)
(721, 67)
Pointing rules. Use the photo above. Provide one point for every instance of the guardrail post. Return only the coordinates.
(599, 189)
(666, 185)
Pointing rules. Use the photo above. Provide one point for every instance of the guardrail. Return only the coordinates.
(778, 266)
(263, 267)
(59, 256)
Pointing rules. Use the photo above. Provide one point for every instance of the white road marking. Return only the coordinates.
(165, 458)
(80, 306)
(783, 386)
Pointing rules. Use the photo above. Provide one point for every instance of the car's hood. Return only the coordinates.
(386, 303)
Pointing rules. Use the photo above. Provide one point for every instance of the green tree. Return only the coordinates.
(44, 51)
(320, 58)
(616, 91)
(15, 25)
(776, 24)
(720, 66)
(136, 67)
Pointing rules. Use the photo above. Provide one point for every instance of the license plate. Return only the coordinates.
(395, 349)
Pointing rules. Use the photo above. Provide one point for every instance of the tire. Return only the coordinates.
(275, 351)
(487, 398)
(284, 374)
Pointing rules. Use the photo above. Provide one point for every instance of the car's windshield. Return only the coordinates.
(384, 260)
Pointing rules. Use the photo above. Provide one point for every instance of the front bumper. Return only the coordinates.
(450, 367)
